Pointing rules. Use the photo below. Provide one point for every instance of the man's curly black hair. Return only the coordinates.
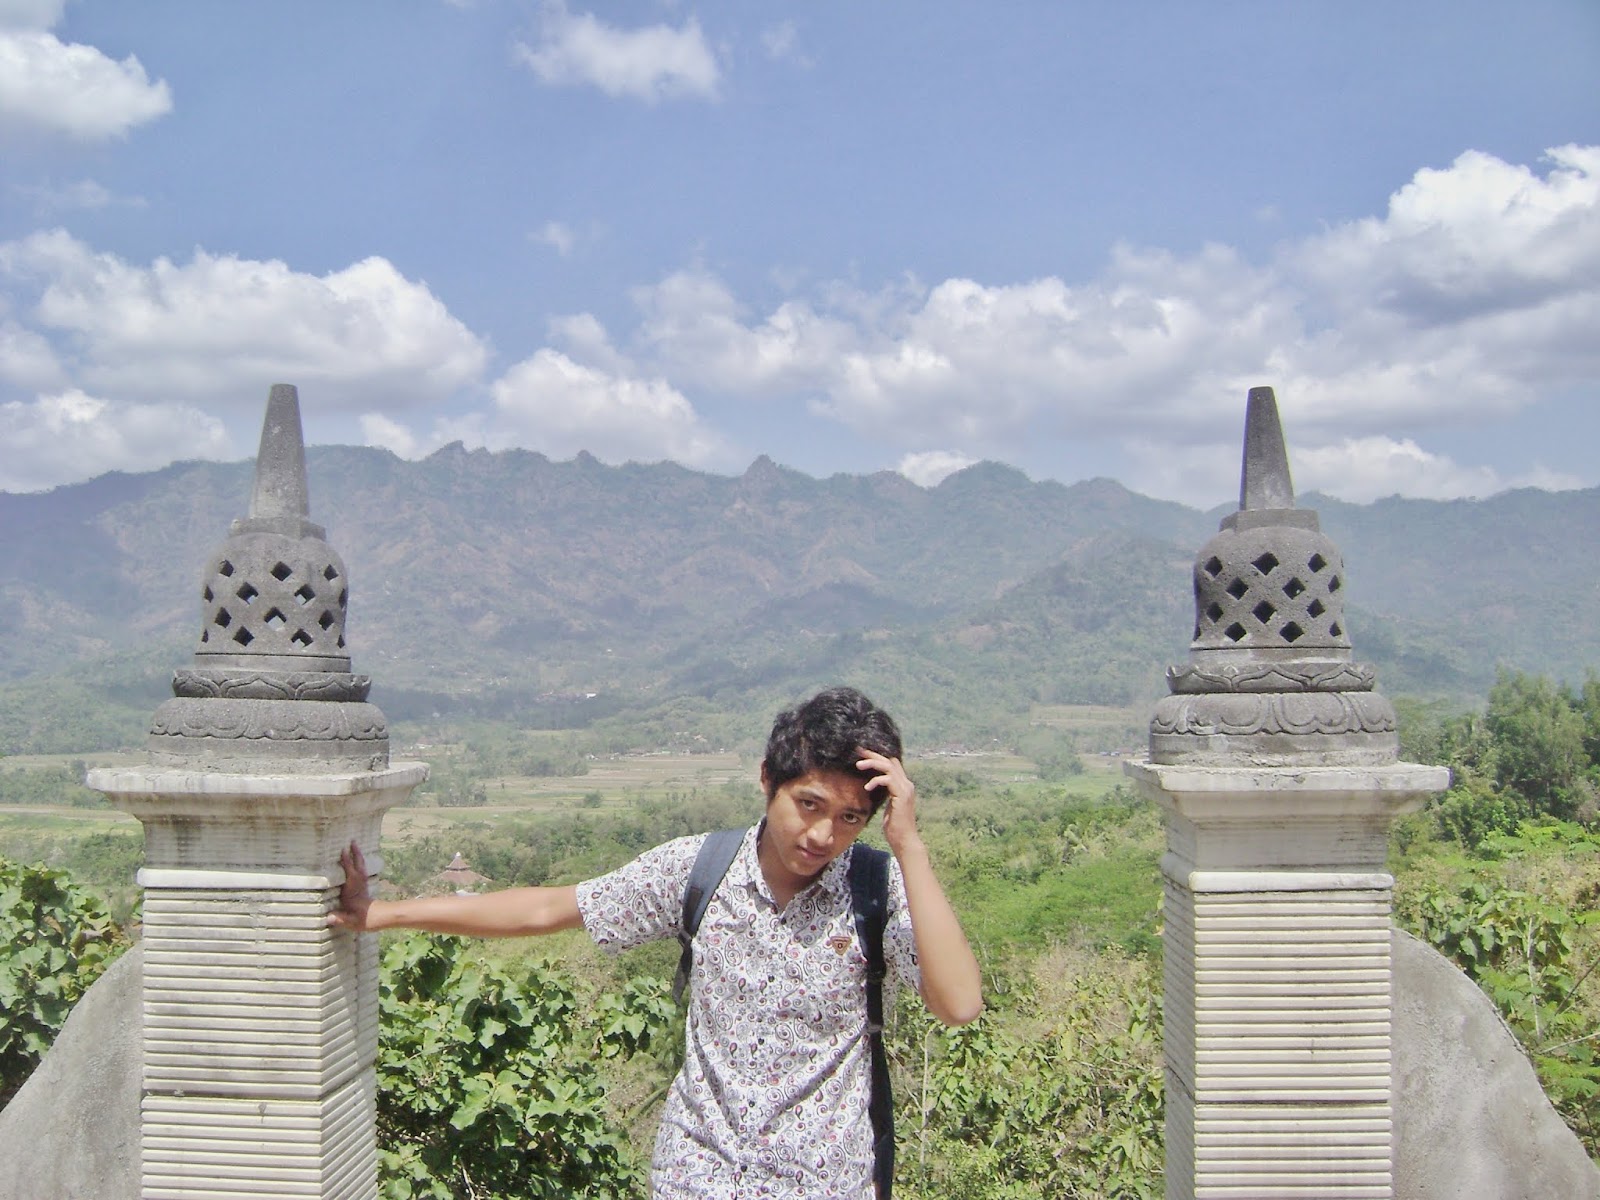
(826, 733)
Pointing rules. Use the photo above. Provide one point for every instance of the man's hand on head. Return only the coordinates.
(899, 799)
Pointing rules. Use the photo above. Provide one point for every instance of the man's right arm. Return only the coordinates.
(514, 912)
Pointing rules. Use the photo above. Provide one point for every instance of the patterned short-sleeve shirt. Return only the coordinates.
(772, 1098)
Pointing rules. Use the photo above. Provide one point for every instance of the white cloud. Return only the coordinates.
(1474, 294)
(973, 363)
(557, 236)
(585, 339)
(928, 468)
(1355, 469)
(30, 15)
(222, 328)
(82, 194)
(1478, 289)
(379, 430)
(652, 63)
(782, 42)
(552, 404)
(73, 436)
(27, 359)
(695, 327)
(55, 87)
(1201, 472)
(1364, 469)
(1480, 237)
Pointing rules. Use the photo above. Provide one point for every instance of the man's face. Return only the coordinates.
(811, 820)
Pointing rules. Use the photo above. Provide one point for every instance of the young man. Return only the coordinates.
(772, 1099)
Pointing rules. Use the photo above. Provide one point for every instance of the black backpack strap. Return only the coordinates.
(869, 899)
(716, 855)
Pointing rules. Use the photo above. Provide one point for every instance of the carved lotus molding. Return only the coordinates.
(1301, 676)
(240, 684)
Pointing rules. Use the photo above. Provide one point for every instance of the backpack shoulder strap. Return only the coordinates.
(715, 856)
(869, 900)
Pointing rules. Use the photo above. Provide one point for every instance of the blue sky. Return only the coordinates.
(851, 236)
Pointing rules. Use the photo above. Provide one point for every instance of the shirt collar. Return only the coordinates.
(834, 879)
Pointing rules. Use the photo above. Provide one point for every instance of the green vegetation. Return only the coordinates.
(489, 1078)
(528, 1069)
(1058, 1093)
(58, 785)
(59, 938)
(1502, 872)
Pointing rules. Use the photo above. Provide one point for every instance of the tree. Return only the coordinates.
(1539, 741)
(1589, 701)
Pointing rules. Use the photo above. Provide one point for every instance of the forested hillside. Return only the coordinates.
(510, 586)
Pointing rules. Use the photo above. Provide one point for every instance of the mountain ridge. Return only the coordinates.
(475, 572)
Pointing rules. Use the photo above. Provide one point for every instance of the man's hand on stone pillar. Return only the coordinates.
(355, 900)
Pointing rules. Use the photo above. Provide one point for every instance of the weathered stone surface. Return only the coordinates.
(271, 689)
(1275, 764)
(1313, 675)
(281, 495)
(1327, 728)
(72, 1132)
(1471, 1122)
(270, 736)
(259, 1028)
(260, 1022)
(1275, 586)
(1277, 974)
(271, 685)
(1264, 481)
(1270, 678)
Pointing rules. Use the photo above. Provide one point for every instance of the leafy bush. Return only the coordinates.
(487, 1083)
(1063, 1096)
(60, 939)
(1539, 731)
(1535, 956)
(61, 785)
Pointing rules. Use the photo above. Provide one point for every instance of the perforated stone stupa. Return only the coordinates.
(271, 686)
(259, 1023)
(1276, 768)
(1270, 677)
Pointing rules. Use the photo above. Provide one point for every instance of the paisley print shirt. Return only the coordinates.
(772, 1098)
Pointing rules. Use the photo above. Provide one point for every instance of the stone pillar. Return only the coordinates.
(1277, 976)
(1275, 764)
(260, 1023)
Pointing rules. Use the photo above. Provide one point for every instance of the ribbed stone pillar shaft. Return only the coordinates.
(1275, 762)
(1277, 977)
(260, 1024)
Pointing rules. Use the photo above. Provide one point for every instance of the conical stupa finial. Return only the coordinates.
(280, 489)
(1264, 480)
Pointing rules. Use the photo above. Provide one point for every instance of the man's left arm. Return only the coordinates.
(952, 985)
